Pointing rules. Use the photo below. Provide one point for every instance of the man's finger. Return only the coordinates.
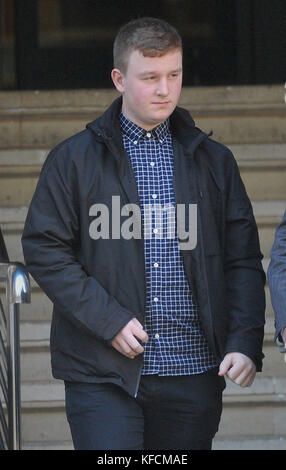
(225, 365)
(248, 379)
(126, 340)
(138, 331)
(134, 345)
(123, 348)
(239, 368)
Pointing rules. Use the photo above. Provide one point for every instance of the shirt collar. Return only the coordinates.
(135, 133)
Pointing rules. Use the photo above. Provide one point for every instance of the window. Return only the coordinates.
(49, 44)
(7, 46)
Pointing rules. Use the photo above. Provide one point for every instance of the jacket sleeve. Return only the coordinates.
(50, 240)
(245, 278)
(277, 276)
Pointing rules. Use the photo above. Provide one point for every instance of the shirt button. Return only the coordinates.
(154, 196)
(135, 142)
(156, 265)
(148, 134)
(152, 163)
(156, 299)
(157, 336)
(155, 230)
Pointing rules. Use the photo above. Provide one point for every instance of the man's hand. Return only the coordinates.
(125, 341)
(239, 368)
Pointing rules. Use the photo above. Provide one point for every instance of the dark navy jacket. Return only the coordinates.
(97, 286)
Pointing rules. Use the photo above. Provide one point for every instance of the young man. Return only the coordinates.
(147, 319)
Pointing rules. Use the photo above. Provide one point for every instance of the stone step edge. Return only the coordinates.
(248, 152)
(265, 210)
(266, 222)
(266, 389)
(35, 287)
(267, 442)
(228, 401)
(33, 170)
(43, 348)
(71, 111)
(238, 95)
(39, 330)
(46, 445)
(44, 344)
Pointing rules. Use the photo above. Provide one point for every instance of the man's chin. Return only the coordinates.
(157, 118)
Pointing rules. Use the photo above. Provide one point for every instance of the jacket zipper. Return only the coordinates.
(138, 381)
(141, 367)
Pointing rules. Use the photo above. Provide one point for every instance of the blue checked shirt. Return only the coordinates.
(176, 343)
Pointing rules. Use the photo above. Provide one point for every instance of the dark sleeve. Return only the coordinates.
(277, 276)
(50, 240)
(245, 278)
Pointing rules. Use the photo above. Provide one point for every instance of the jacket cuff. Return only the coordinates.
(255, 359)
(116, 321)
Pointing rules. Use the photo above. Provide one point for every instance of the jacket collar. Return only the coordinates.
(107, 129)
(136, 133)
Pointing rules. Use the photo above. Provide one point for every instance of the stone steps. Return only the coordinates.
(219, 444)
(267, 213)
(262, 168)
(56, 445)
(254, 412)
(41, 307)
(35, 353)
(33, 119)
(251, 121)
(250, 443)
(257, 412)
(263, 182)
(43, 414)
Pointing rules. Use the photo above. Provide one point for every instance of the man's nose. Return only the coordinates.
(163, 88)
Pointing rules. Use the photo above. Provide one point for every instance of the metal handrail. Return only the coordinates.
(17, 290)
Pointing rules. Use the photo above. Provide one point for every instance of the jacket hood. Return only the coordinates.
(183, 126)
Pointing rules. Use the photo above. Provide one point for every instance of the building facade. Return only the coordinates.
(67, 44)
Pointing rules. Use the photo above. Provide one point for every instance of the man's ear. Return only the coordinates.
(118, 80)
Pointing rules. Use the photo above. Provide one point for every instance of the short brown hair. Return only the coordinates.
(153, 37)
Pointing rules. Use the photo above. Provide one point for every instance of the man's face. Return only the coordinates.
(150, 88)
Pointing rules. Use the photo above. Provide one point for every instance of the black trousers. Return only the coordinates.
(169, 413)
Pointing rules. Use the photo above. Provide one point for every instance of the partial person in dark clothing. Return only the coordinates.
(4, 258)
(141, 233)
(277, 280)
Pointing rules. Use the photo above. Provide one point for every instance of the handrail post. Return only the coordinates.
(14, 379)
(17, 291)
